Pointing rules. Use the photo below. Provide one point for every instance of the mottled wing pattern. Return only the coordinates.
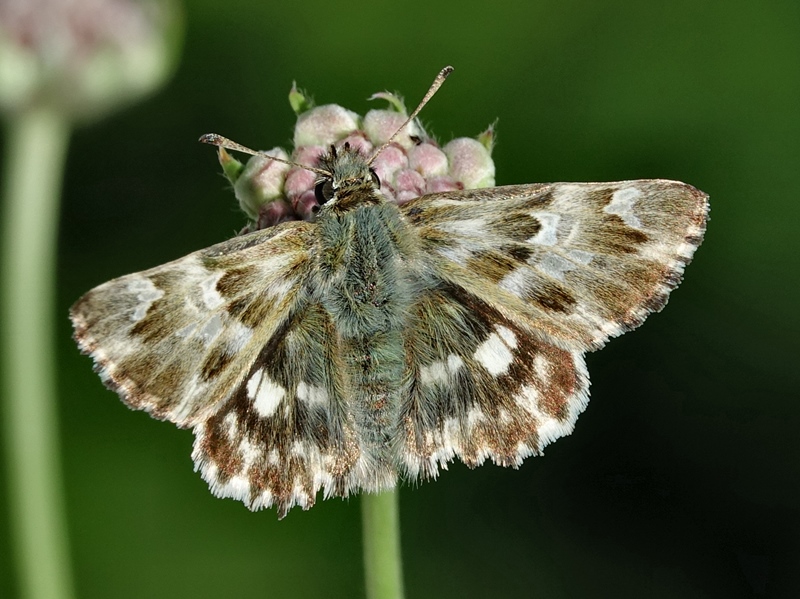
(484, 385)
(287, 430)
(579, 262)
(225, 341)
(172, 340)
(511, 286)
(529, 278)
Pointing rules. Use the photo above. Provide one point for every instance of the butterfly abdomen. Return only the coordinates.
(364, 286)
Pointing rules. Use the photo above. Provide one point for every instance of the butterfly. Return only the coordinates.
(378, 342)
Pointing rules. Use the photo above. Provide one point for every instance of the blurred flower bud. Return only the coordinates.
(84, 58)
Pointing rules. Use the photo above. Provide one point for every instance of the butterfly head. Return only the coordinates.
(347, 180)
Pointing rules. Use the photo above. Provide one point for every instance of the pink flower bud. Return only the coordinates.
(358, 141)
(298, 181)
(470, 163)
(261, 181)
(380, 125)
(306, 205)
(391, 160)
(308, 155)
(409, 184)
(324, 125)
(274, 213)
(440, 184)
(427, 160)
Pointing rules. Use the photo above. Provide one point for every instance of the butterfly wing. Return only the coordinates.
(528, 278)
(165, 339)
(287, 429)
(484, 385)
(580, 262)
(228, 341)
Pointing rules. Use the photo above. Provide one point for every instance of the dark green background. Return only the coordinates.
(681, 479)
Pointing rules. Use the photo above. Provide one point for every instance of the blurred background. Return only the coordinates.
(681, 478)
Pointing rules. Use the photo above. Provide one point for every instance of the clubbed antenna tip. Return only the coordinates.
(437, 83)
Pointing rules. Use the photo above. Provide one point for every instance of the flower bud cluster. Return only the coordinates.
(271, 192)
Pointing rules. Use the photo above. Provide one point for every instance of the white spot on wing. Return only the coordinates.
(474, 416)
(454, 362)
(298, 449)
(265, 393)
(515, 282)
(187, 330)
(146, 293)
(542, 367)
(440, 372)
(253, 382)
(239, 336)
(468, 227)
(495, 353)
(580, 256)
(622, 203)
(251, 453)
(548, 428)
(434, 373)
(313, 395)
(281, 287)
(459, 253)
(555, 266)
(211, 329)
(548, 234)
(507, 335)
(231, 425)
(208, 286)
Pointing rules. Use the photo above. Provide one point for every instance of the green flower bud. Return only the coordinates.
(299, 100)
(487, 138)
(231, 167)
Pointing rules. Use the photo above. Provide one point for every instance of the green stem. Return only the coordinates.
(36, 150)
(383, 566)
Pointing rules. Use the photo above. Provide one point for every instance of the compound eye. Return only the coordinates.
(324, 191)
(375, 178)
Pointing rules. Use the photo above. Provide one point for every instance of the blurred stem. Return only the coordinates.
(36, 147)
(383, 567)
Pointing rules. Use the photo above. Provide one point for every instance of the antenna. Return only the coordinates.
(437, 83)
(215, 139)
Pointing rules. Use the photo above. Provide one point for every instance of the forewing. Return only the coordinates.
(579, 262)
(484, 385)
(178, 339)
